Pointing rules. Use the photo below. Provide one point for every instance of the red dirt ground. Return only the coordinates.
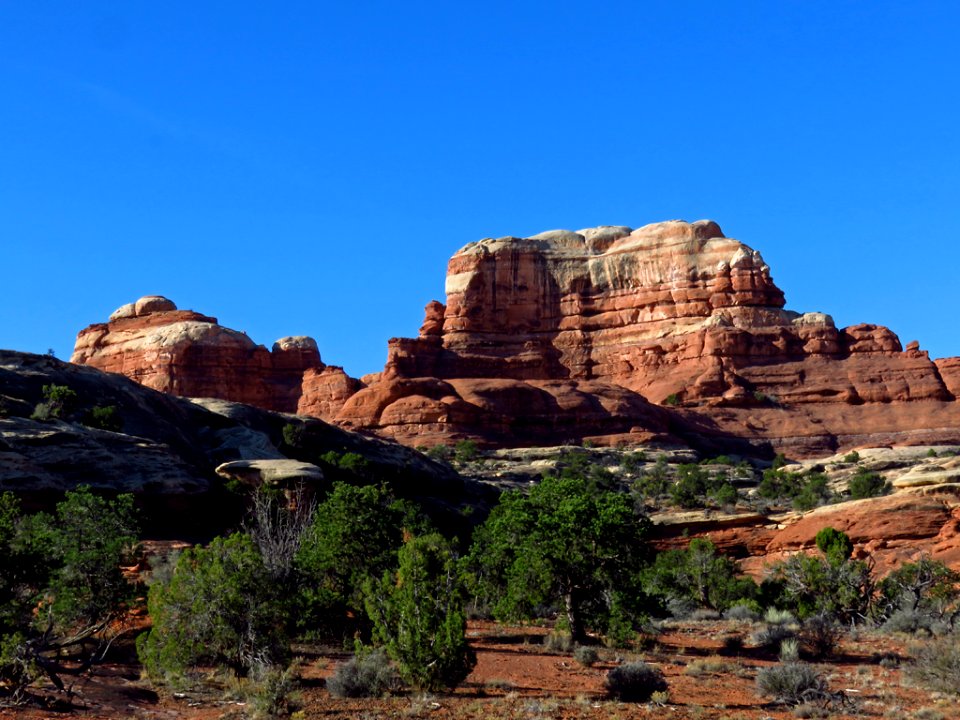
(517, 679)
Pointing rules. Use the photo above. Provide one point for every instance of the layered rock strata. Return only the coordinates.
(609, 334)
(185, 353)
(673, 313)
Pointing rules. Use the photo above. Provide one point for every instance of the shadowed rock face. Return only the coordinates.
(166, 450)
(565, 336)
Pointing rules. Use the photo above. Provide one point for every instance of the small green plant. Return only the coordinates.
(634, 682)
(367, 674)
(851, 457)
(441, 453)
(789, 650)
(58, 402)
(465, 451)
(672, 400)
(792, 683)
(104, 418)
(293, 435)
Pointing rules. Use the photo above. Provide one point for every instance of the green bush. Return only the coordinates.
(634, 682)
(60, 584)
(792, 683)
(58, 402)
(104, 418)
(866, 484)
(698, 574)
(366, 674)
(418, 616)
(221, 608)
(354, 537)
(920, 595)
(672, 400)
(465, 451)
(567, 544)
(852, 457)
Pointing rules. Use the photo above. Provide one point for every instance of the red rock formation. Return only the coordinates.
(186, 353)
(670, 312)
(566, 336)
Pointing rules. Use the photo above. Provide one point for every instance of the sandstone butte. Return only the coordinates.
(609, 334)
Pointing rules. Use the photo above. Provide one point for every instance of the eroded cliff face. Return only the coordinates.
(674, 313)
(608, 334)
(189, 354)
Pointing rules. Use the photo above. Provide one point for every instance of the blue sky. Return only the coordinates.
(309, 167)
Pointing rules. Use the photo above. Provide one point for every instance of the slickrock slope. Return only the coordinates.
(172, 453)
(189, 354)
(608, 334)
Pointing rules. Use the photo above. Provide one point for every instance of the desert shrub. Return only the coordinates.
(866, 484)
(293, 435)
(220, 607)
(921, 595)
(465, 451)
(789, 650)
(558, 642)
(704, 615)
(792, 683)
(104, 418)
(586, 655)
(909, 621)
(814, 492)
(771, 637)
(632, 462)
(834, 544)
(935, 664)
(367, 674)
(274, 691)
(777, 616)
(852, 457)
(694, 484)
(732, 644)
(832, 584)
(58, 402)
(652, 483)
(741, 612)
(672, 400)
(820, 636)
(634, 682)
(441, 453)
(418, 615)
(803, 491)
(61, 586)
(698, 575)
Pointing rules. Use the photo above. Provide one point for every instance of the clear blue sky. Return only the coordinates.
(309, 167)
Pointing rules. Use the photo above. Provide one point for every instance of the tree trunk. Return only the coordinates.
(577, 633)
